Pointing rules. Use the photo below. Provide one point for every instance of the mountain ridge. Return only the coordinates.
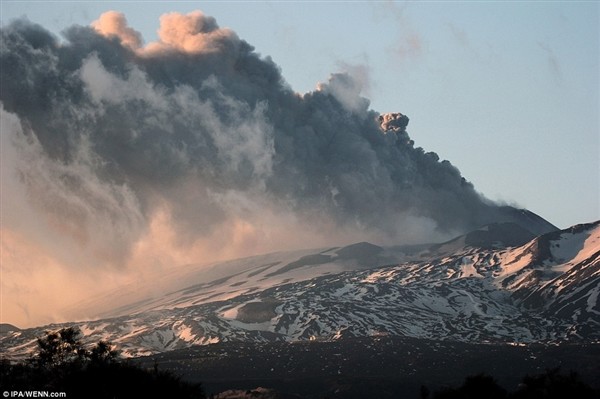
(544, 290)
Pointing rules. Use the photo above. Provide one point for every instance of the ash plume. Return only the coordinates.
(197, 141)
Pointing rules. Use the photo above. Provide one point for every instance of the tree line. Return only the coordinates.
(64, 364)
(551, 384)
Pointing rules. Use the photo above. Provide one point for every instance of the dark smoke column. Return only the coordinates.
(200, 126)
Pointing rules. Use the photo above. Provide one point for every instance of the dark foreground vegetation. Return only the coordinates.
(359, 368)
(380, 367)
(64, 364)
(550, 385)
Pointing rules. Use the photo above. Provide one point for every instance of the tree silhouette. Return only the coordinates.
(103, 352)
(60, 347)
(64, 364)
(549, 385)
(554, 385)
(474, 387)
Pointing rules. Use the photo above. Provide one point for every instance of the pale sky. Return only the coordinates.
(506, 91)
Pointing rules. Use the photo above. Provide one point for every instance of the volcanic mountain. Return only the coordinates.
(498, 284)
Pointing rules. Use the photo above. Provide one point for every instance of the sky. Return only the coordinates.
(505, 91)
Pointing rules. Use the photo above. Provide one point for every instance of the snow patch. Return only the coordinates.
(467, 268)
(593, 300)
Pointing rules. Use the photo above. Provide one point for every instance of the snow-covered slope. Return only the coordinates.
(472, 289)
(198, 284)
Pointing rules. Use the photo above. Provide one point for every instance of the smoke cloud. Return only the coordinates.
(126, 158)
(113, 23)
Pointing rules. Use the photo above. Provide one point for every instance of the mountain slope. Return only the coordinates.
(471, 289)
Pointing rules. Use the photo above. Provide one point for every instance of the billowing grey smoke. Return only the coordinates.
(203, 125)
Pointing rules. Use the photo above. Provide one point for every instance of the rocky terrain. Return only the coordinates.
(499, 284)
